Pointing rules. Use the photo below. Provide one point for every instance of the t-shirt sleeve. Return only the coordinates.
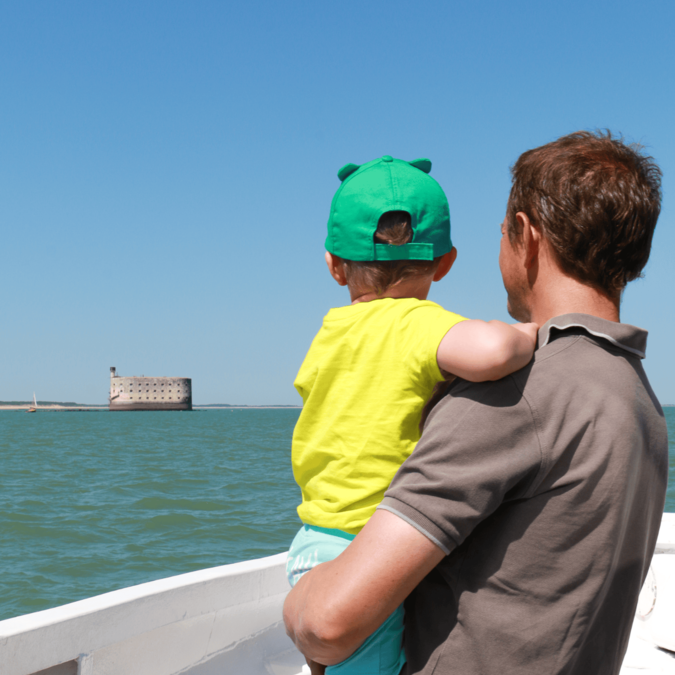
(479, 449)
(421, 331)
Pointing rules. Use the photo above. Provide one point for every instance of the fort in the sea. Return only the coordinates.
(149, 393)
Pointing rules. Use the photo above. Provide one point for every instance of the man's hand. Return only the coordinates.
(338, 604)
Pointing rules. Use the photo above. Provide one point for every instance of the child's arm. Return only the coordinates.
(486, 350)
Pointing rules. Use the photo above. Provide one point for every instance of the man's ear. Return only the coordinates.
(445, 264)
(530, 240)
(336, 267)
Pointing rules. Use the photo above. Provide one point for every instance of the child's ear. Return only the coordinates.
(336, 267)
(445, 264)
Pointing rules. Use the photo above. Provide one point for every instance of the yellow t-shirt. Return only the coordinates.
(364, 382)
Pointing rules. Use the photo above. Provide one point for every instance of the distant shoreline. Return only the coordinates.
(225, 406)
(54, 407)
(51, 406)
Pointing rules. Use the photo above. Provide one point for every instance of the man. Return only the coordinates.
(522, 526)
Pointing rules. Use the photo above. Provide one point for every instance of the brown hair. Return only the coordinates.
(393, 228)
(597, 201)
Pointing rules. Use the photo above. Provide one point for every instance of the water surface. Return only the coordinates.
(95, 501)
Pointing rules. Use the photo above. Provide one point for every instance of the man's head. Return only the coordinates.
(594, 202)
(389, 223)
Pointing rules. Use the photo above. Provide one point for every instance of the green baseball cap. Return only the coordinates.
(388, 184)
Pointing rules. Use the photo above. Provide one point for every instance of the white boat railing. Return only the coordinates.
(157, 628)
(228, 620)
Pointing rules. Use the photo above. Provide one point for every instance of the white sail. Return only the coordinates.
(34, 401)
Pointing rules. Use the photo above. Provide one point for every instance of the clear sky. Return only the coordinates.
(166, 168)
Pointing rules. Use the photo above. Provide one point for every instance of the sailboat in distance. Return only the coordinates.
(33, 408)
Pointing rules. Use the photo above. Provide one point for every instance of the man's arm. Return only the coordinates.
(486, 350)
(337, 605)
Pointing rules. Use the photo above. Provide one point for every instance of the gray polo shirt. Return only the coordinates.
(546, 491)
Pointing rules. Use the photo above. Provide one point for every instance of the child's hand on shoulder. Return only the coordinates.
(529, 329)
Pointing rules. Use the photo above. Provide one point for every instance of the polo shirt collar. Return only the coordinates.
(629, 338)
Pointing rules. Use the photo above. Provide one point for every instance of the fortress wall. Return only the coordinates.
(150, 393)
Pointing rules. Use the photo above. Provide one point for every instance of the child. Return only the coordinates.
(374, 364)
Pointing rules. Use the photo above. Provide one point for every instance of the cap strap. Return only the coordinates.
(404, 252)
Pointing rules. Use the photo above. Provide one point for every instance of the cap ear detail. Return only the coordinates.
(347, 170)
(421, 164)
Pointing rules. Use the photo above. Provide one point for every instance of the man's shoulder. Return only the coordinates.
(504, 393)
(574, 370)
(577, 383)
(495, 408)
(577, 363)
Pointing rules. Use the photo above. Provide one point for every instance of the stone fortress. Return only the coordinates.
(149, 393)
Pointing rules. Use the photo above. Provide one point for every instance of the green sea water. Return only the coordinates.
(95, 501)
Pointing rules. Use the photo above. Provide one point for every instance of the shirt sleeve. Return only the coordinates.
(479, 449)
(421, 331)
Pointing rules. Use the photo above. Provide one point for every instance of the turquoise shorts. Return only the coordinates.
(382, 653)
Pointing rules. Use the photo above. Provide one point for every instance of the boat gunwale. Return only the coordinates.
(122, 596)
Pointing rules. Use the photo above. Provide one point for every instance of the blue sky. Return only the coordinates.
(166, 169)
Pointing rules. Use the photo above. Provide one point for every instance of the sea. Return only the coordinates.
(95, 501)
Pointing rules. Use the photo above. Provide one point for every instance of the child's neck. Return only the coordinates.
(417, 287)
